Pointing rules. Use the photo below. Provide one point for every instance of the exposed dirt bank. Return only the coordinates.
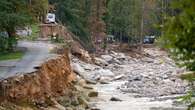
(52, 79)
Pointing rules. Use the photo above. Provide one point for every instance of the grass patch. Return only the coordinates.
(35, 33)
(11, 55)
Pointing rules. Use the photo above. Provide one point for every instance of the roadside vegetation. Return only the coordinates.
(18, 15)
(179, 38)
(11, 55)
(34, 32)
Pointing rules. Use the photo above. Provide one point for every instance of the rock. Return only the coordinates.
(78, 88)
(82, 82)
(59, 107)
(100, 62)
(78, 69)
(69, 108)
(104, 72)
(74, 101)
(115, 60)
(148, 60)
(89, 67)
(87, 87)
(104, 80)
(96, 77)
(107, 58)
(88, 81)
(119, 77)
(56, 106)
(79, 52)
(113, 53)
(93, 94)
(135, 77)
(82, 101)
(115, 99)
(121, 56)
(95, 108)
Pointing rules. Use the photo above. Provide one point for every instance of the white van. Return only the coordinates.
(51, 18)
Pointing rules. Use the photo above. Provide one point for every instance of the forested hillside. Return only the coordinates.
(127, 20)
(91, 21)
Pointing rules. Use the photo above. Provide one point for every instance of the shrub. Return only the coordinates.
(7, 44)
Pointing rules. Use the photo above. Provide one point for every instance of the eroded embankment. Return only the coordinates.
(53, 79)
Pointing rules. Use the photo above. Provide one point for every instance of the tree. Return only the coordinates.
(124, 19)
(97, 25)
(179, 35)
(74, 15)
(84, 18)
(38, 9)
(179, 38)
(13, 13)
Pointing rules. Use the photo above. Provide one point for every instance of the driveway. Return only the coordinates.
(37, 53)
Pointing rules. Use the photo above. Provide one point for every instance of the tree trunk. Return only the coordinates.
(11, 32)
(142, 26)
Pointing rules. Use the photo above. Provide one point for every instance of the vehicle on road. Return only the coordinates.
(50, 18)
(149, 39)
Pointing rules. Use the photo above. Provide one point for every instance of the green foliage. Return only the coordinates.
(189, 97)
(35, 32)
(11, 55)
(179, 37)
(7, 44)
(124, 17)
(179, 34)
(38, 9)
(72, 13)
(57, 39)
(13, 13)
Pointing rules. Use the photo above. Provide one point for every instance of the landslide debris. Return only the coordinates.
(51, 87)
(153, 74)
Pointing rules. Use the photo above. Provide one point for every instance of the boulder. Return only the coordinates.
(104, 72)
(87, 87)
(78, 69)
(95, 108)
(105, 80)
(119, 77)
(79, 52)
(115, 99)
(89, 67)
(121, 56)
(89, 81)
(93, 94)
(107, 58)
(59, 107)
(100, 62)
